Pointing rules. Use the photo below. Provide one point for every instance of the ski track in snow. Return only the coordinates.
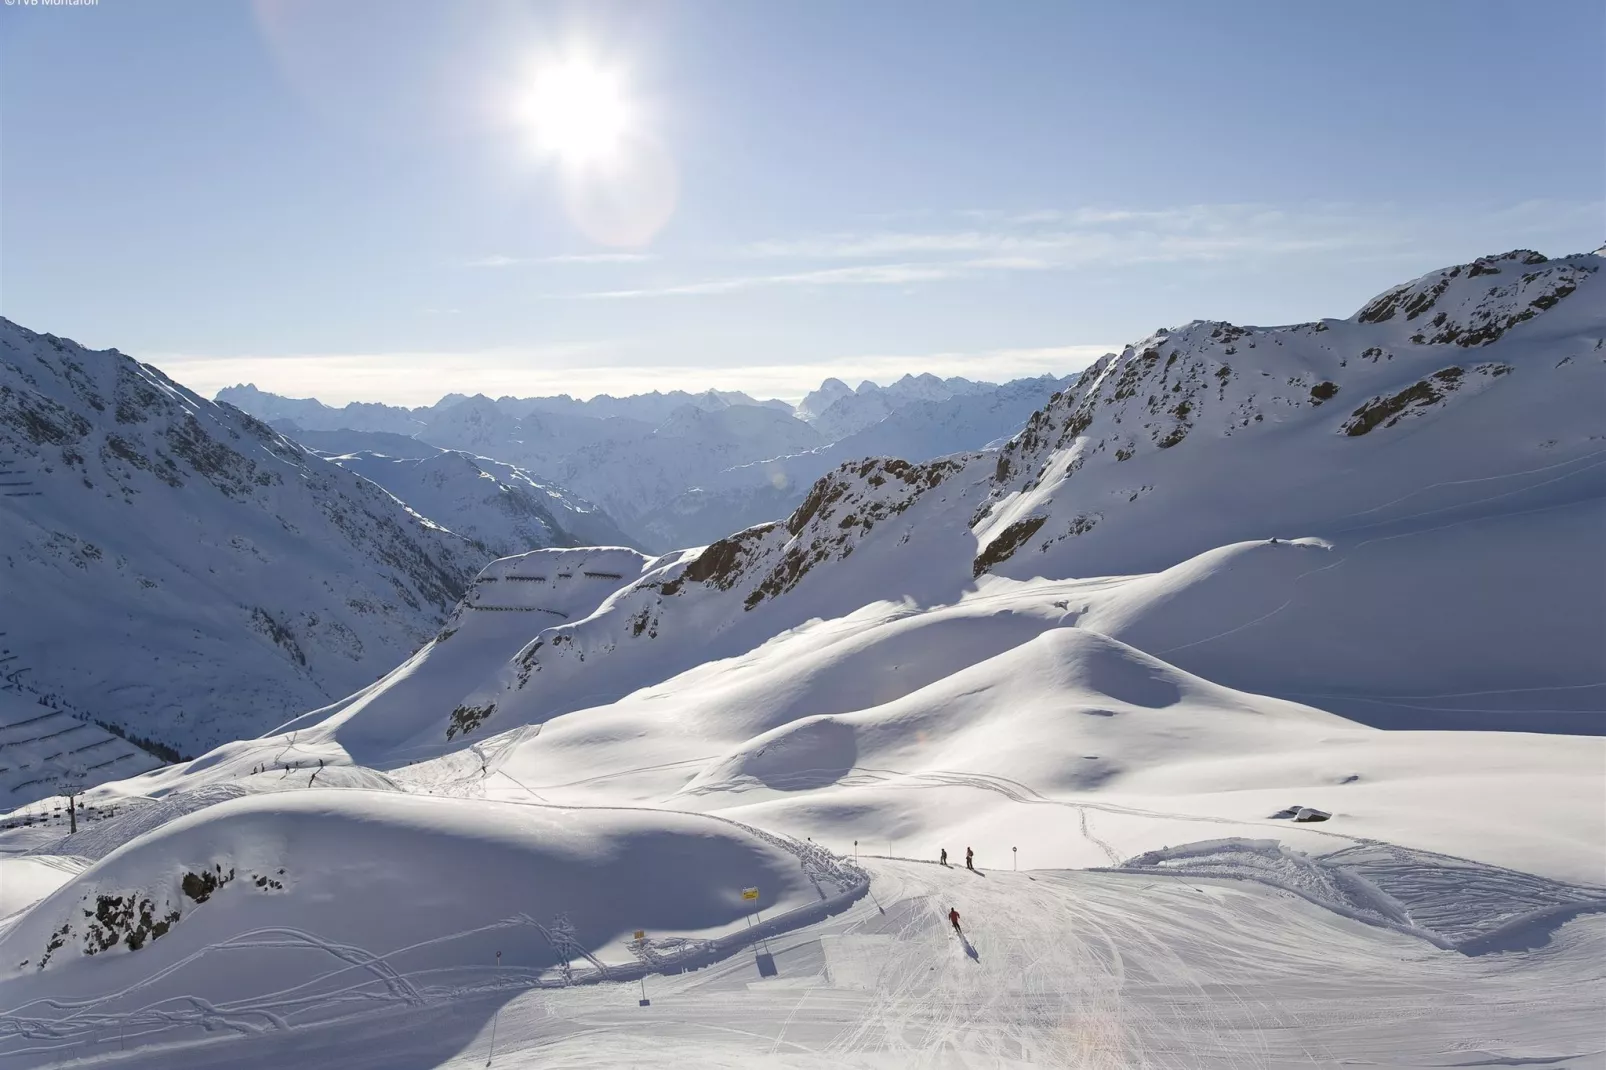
(1054, 969)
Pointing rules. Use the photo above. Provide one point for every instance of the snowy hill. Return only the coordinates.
(498, 506)
(1230, 577)
(178, 569)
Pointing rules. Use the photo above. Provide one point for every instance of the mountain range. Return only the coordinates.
(677, 468)
(1190, 440)
(1278, 646)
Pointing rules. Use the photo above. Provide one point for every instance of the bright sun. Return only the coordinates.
(578, 111)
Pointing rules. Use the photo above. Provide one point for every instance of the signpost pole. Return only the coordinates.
(750, 895)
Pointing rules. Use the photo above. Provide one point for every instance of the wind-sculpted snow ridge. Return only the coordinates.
(186, 573)
(1452, 903)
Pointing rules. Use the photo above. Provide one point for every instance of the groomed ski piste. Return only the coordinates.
(1117, 670)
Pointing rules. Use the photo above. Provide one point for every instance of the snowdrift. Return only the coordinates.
(288, 900)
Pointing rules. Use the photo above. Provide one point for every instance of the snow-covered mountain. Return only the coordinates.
(627, 467)
(314, 415)
(837, 412)
(500, 507)
(177, 569)
(1159, 634)
(675, 468)
(653, 407)
(975, 415)
(1450, 450)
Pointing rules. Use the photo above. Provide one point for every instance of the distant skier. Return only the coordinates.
(944, 859)
(953, 918)
(970, 858)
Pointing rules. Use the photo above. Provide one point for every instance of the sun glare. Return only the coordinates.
(578, 111)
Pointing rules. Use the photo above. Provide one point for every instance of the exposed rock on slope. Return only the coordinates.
(1194, 439)
(1111, 460)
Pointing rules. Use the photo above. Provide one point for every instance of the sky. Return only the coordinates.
(387, 200)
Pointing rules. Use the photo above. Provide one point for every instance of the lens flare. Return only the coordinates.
(579, 111)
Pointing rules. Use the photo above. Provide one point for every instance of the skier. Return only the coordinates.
(969, 859)
(953, 918)
(944, 859)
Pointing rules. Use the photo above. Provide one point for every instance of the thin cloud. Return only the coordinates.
(1074, 239)
(858, 275)
(499, 261)
(1087, 237)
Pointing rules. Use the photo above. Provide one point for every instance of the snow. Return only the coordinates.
(38, 742)
(178, 569)
(1123, 652)
(25, 881)
(673, 469)
(499, 506)
(1055, 968)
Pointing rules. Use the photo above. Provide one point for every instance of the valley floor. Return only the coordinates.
(1066, 968)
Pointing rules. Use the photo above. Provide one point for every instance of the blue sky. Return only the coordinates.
(337, 199)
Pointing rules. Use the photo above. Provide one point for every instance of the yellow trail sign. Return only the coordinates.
(641, 934)
(749, 893)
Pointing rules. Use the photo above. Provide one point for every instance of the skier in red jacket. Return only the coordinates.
(953, 917)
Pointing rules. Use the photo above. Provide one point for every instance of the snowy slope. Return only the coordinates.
(177, 568)
(39, 741)
(1023, 651)
(282, 864)
(499, 506)
(1055, 969)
